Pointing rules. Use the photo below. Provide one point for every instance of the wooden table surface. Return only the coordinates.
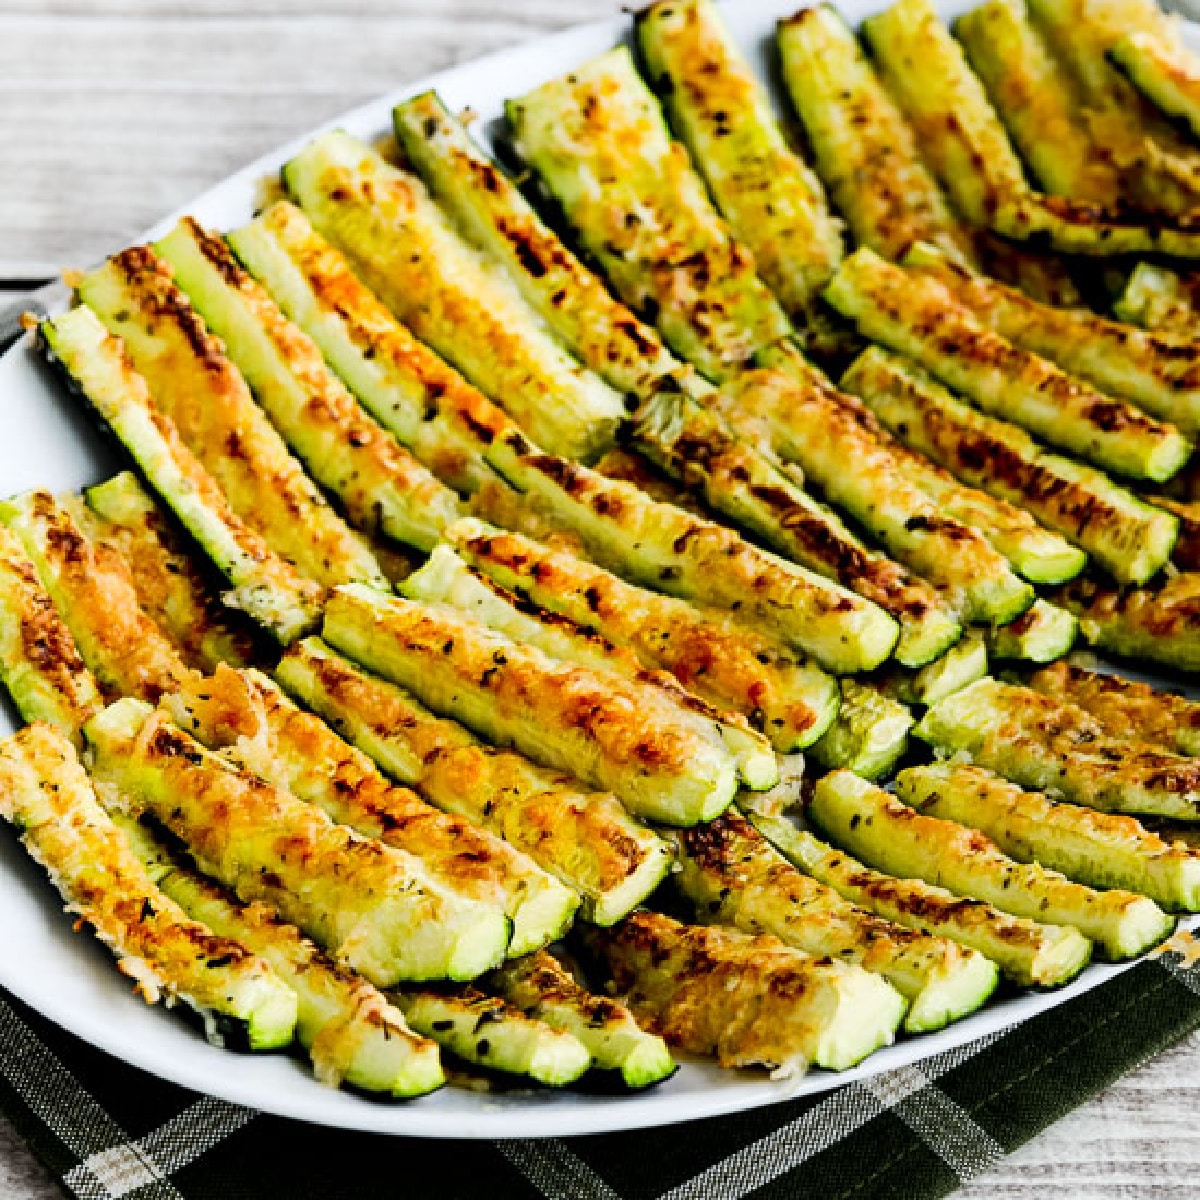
(115, 111)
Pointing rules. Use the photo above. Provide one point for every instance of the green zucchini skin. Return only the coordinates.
(1162, 718)
(380, 486)
(893, 837)
(1041, 635)
(542, 987)
(245, 717)
(406, 251)
(1047, 744)
(45, 792)
(733, 876)
(1028, 953)
(351, 1032)
(747, 1000)
(588, 841)
(599, 143)
(789, 700)
(40, 663)
(771, 198)
(1130, 539)
(607, 732)
(869, 734)
(194, 384)
(1099, 849)
(267, 587)
(918, 316)
(375, 907)
(1165, 74)
(1161, 299)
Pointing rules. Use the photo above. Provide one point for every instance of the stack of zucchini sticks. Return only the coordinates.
(493, 657)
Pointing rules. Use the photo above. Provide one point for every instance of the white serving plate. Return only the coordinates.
(47, 441)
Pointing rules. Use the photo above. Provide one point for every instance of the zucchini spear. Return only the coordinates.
(1050, 745)
(869, 733)
(965, 663)
(1164, 72)
(733, 876)
(1161, 299)
(374, 906)
(890, 836)
(1042, 634)
(1098, 849)
(46, 793)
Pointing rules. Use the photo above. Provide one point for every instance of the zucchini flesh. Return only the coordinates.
(265, 586)
(196, 386)
(869, 733)
(734, 877)
(607, 732)
(1159, 374)
(1098, 849)
(171, 588)
(1164, 73)
(1050, 745)
(598, 140)
(407, 252)
(890, 836)
(696, 446)
(864, 149)
(490, 210)
(1027, 952)
(351, 1032)
(722, 113)
(542, 987)
(916, 315)
(446, 579)
(92, 590)
(1130, 539)
(959, 666)
(1161, 299)
(750, 1001)
(1157, 624)
(380, 486)
(253, 725)
(1042, 634)
(792, 702)
(588, 841)
(1162, 718)
(39, 660)
(375, 907)
(46, 793)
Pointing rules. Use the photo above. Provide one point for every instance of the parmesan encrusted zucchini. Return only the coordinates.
(491, 211)
(198, 388)
(39, 661)
(351, 1032)
(265, 586)
(542, 987)
(374, 906)
(869, 733)
(694, 445)
(1161, 299)
(380, 486)
(789, 700)
(1029, 953)
(1159, 624)
(959, 666)
(863, 147)
(1098, 849)
(1129, 538)
(1042, 634)
(917, 315)
(446, 579)
(1162, 718)
(253, 725)
(599, 142)
(734, 877)
(1164, 72)
(1158, 373)
(92, 590)
(722, 113)
(890, 836)
(660, 762)
(1185, 554)
(751, 1001)
(173, 586)
(406, 250)
(1051, 745)
(46, 793)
